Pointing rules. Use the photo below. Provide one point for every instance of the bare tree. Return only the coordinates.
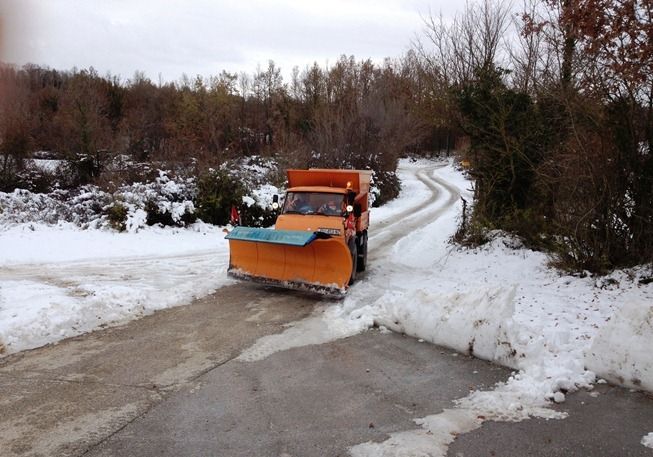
(455, 49)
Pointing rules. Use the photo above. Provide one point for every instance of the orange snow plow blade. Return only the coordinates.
(322, 265)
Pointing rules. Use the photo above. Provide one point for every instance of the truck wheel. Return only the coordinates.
(354, 260)
(362, 252)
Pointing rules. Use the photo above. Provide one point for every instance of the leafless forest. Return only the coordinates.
(550, 102)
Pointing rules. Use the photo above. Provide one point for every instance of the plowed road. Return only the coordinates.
(169, 384)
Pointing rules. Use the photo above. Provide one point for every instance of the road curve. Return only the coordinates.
(387, 233)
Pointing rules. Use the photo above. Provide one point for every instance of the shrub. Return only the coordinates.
(29, 178)
(217, 192)
(255, 216)
(386, 187)
(117, 216)
(156, 214)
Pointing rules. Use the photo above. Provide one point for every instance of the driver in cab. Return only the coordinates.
(331, 208)
(299, 204)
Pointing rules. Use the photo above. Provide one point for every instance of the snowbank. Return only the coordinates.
(40, 243)
(621, 352)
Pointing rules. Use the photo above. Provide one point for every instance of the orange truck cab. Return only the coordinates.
(319, 241)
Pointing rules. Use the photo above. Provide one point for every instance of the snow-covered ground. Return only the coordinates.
(499, 302)
(60, 281)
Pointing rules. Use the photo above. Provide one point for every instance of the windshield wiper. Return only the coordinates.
(292, 211)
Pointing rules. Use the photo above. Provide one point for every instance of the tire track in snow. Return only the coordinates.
(420, 174)
(414, 218)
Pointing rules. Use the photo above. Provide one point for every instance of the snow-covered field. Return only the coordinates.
(57, 282)
(499, 302)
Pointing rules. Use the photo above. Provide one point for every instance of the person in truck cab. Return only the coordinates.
(299, 204)
(331, 208)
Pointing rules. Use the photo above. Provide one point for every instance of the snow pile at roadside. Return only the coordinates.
(621, 351)
(60, 281)
(648, 440)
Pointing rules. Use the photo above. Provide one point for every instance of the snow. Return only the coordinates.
(264, 195)
(61, 281)
(648, 440)
(255, 172)
(620, 352)
(249, 201)
(500, 302)
(87, 206)
(48, 165)
(43, 244)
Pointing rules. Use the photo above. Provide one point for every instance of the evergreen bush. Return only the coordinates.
(217, 192)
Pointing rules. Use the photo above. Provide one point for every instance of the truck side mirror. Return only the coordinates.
(275, 202)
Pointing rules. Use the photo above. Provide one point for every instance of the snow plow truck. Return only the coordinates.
(319, 241)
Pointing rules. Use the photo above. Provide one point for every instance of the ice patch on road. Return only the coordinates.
(432, 440)
(648, 440)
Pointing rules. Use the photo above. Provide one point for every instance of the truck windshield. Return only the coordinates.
(313, 203)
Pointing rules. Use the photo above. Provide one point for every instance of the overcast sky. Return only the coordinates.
(171, 37)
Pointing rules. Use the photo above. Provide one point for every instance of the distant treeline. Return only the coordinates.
(352, 114)
(554, 106)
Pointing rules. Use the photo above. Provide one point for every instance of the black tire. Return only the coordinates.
(362, 252)
(354, 260)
